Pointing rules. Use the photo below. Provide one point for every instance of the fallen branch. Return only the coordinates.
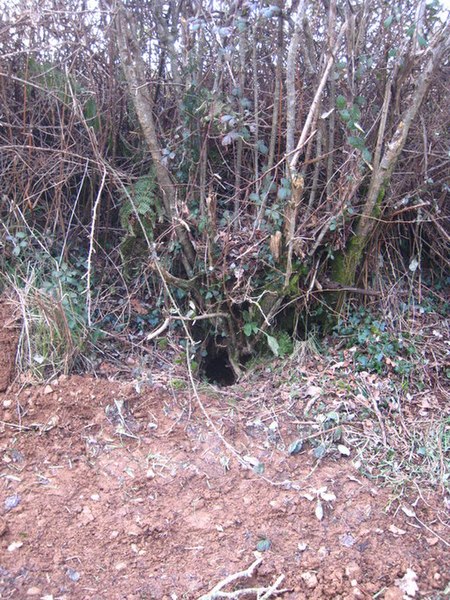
(261, 593)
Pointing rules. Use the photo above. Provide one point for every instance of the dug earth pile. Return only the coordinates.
(8, 343)
(107, 492)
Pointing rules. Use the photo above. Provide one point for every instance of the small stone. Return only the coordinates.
(114, 535)
(393, 593)
(72, 574)
(121, 566)
(353, 572)
(48, 390)
(134, 530)
(33, 591)
(86, 515)
(14, 546)
(95, 497)
(7, 403)
(432, 541)
(12, 502)
(310, 579)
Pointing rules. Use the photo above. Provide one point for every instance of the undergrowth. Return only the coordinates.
(50, 293)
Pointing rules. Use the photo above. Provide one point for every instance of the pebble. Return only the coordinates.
(310, 579)
(95, 497)
(7, 403)
(121, 566)
(12, 502)
(33, 591)
(72, 574)
(14, 546)
(134, 530)
(48, 390)
(393, 593)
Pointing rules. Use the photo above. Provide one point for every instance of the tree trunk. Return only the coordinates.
(134, 68)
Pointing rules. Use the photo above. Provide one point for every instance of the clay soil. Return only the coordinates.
(115, 491)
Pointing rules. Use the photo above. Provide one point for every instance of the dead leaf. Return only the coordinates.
(408, 511)
(396, 530)
(408, 583)
(319, 510)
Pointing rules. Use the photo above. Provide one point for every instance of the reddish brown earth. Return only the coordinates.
(113, 494)
(8, 344)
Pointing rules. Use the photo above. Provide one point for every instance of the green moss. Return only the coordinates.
(346, 263)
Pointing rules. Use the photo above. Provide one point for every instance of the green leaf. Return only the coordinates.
(273, 345)
(283, 193)
(254, 197)
(356, 142)
(263, 545)
(345, 114)
(248, 329)
(319, 451)
(295, 447)
(262, 148)
(355, 113)
(388, 22)
(367, 155)
(422, 41)
(341, 102)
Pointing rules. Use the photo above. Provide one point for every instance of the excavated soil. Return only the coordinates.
(8, 344)
(111, 490)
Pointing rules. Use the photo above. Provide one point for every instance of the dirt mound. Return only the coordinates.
(110, 493)
(8, 343)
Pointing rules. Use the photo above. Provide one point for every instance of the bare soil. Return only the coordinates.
(8, 344)
(107, 492)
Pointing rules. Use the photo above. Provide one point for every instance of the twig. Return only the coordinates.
(267, 592)
(91, 250)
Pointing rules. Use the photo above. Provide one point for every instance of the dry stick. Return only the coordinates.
(315, 102)
(217, 592)
(297, 182)
(91, 249)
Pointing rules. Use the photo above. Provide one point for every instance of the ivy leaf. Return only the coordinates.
(422, 41)
(341, 102)
(367, 155)
(355, 113)
(262, 148)
(273, 344)
(283, 193)
(388, 22)
(295, 447)
(248, 329)
(356, 142)
(263, 545)
(319, 451)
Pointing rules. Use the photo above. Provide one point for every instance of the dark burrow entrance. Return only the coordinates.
(216, 367)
